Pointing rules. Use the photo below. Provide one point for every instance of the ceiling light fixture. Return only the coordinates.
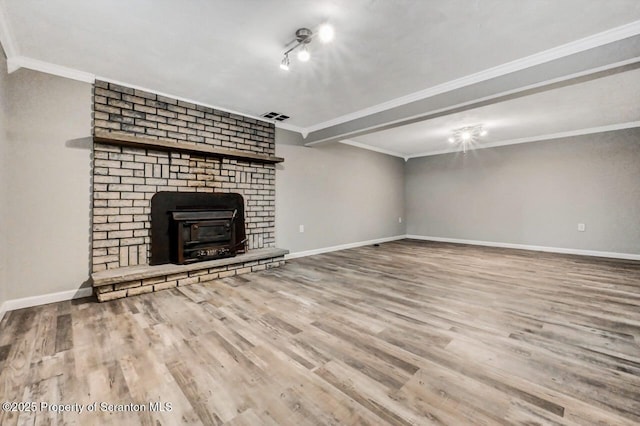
(303, 54)
(285, 63)
(302, 38)
(326, 33)
(466, 136)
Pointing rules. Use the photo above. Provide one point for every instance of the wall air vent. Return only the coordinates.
(275, 116)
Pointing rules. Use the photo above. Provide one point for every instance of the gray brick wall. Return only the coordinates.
(125, 179)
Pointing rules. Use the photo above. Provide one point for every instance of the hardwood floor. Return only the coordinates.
(406, 333)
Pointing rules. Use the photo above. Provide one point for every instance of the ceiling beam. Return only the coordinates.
(544, 76)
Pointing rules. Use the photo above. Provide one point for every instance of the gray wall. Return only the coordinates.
(340, 194)
(533, 194)
(48, 178)
(286, 137)
(4, 111)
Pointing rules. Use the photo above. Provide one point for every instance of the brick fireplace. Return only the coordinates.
(146, 143)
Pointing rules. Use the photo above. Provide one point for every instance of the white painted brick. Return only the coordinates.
(145, 159)
(120, 203)
(131, 241)
(106, 195)
(166, 285)
(139, 290)
(132, 165)
(145, 188)
(120, 188)
(112, 295)
(120, 218)
(132, 225)
(188, 281)
(132, 196)
(142, 254)
(133, 255)
(106, 163)
(124, 256)
(106, 179)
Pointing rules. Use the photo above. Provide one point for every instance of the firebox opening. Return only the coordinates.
(192, 227)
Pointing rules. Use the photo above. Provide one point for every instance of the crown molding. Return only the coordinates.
(15, 63)
(290, 127)
(6, 36)
(551, 136)
(558, 52)
(18, 62)
(373, 148)
(429, 114)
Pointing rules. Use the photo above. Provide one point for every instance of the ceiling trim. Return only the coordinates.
(291, 127)
(6, 36)
(551, 136)
(474, 102)
(17, 62)
(558, 52)
(373, 148)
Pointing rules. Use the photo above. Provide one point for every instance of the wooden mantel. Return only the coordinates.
(199, 149)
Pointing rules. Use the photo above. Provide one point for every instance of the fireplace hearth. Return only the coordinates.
(193, 227)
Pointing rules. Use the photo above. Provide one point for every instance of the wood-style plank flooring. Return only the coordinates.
(406, 333)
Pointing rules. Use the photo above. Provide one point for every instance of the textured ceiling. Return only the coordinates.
(226, 53)
(605, 101)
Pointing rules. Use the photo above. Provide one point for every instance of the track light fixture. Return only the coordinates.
(284, 64)
(466, 136)
(303, 54)
(326, 33)
(303, 37)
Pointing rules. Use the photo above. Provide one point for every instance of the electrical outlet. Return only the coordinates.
(301, 228)
(399, 219)
(582, 227)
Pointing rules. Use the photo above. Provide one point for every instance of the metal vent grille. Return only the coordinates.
(275, 116)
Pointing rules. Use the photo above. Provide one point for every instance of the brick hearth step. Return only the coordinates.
(133, 280)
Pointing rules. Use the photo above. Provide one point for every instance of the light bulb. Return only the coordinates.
(451, 139)
(465, 136)
(326, 33)
(483, 132)
(284, 65)
(303, 54)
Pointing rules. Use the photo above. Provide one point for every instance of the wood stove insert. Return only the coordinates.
(192, 227)
(202, 235)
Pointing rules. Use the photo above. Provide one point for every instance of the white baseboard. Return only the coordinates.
(342, 247)
(27, 302)
(614, 255)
